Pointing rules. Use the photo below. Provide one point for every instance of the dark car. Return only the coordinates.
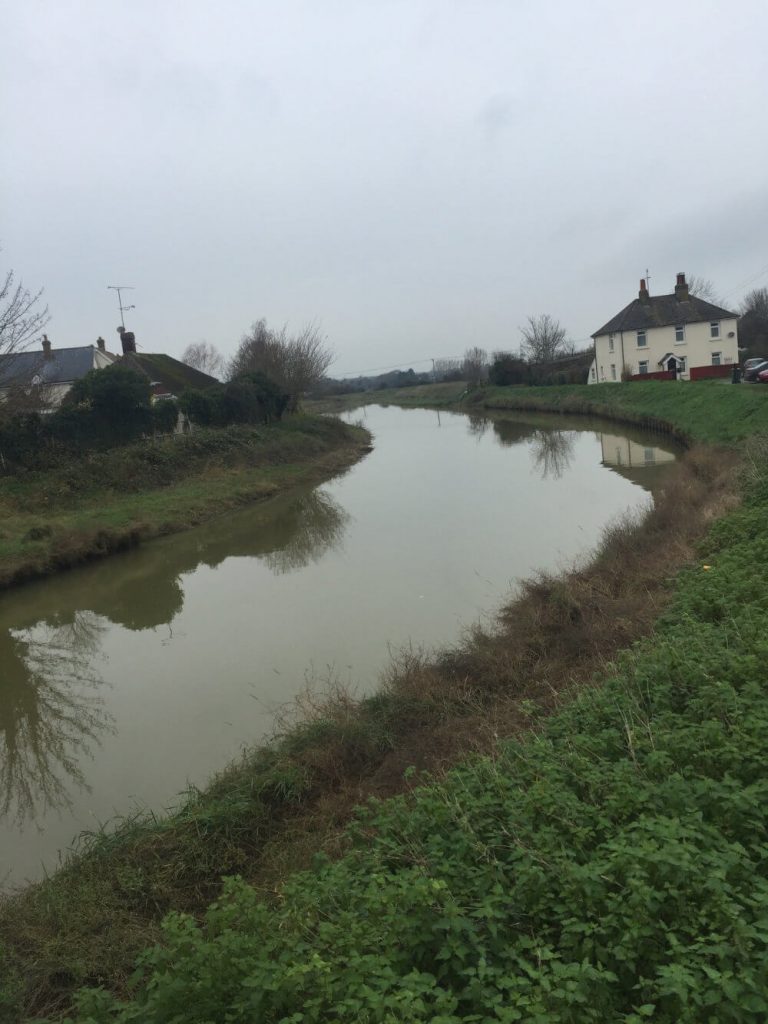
(762, 377)
(750, 373)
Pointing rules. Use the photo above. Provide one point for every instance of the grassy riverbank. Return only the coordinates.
(711, 412)
(608, 867)
(274, 811)
(108, 501)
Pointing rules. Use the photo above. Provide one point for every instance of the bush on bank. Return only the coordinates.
(113, 407)
(612, 867)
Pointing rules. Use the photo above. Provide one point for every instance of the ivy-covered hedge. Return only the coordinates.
(611, 868)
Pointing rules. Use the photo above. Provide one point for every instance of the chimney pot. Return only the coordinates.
(101, 344)
(128, 339)
(681, 289)
(47, 347)
(643, 293)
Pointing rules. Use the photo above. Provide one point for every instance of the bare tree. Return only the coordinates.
(756, 303)
(544, 340)
(21, 316)
(295, 362)
(474, 364)
(703, 288)
(204, 357)
(448, 369)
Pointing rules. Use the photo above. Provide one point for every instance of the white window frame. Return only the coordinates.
(642, 363)
(610, 343)
(613, 371)
(717, 358)
(679, 334)
(683, 365)
(644, 342)
(714, 329)
(594, 373)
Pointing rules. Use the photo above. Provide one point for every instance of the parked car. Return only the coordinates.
(749, 363)
(753, 371)
(762, 377)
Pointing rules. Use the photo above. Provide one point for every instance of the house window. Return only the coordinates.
(714, 329)
(649, 455)
(610, 343)
(679, 333)
(602, 373)
(594, 373)
(716, 358)
(613, 371)
(642, 367)
(683, 365)
(641, 339)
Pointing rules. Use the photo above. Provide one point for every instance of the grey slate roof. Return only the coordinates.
(64, 366)
(661, 311)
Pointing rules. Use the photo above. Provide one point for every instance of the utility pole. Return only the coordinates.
(121, 288)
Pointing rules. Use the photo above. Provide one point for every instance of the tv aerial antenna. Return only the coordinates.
(120, 288)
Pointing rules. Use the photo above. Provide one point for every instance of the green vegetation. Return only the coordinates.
(104, 501)
(604, 861)
(609, 866)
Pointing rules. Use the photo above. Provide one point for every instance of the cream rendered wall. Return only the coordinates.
(697, 348)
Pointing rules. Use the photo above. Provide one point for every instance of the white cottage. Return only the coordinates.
(666, 337)
(53, 370)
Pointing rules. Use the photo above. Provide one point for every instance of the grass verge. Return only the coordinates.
(106, 502)
(275, 810)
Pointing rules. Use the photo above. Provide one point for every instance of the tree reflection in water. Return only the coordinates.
(50, 716)
(317, 525)
(552, 452)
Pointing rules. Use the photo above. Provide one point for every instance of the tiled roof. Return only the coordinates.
(175, 375)
(64, 366)
(662, 311)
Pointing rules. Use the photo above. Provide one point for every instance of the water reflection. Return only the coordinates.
(50, 713)
(635, 459)
(552, 450)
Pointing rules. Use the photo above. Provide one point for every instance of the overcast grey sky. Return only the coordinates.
(416, 175)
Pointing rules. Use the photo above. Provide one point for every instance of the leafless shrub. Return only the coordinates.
(204, 357)
(295, 362)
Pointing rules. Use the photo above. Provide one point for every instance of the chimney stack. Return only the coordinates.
(643, 293)
(101, 344)
(681, 289)
(47, 354)
(128, 339)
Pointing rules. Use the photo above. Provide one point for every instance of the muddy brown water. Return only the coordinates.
(126, 681)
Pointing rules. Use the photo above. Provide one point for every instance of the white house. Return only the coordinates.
(667, 337)
(52, 371)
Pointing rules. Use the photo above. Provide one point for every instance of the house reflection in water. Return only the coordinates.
(635, 460)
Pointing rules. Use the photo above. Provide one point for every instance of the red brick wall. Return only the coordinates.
(704, 372)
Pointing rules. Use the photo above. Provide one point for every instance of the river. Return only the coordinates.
(123, 682)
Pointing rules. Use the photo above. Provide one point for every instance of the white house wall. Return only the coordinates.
(697, 348)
